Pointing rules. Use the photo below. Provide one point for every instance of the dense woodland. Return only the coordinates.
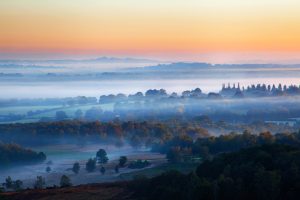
(116, 132)
(135, 133)
(262, 172)
(183, 148)
(13, 154)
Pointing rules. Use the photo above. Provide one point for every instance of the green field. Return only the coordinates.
(50, 111)
(155, 171)
(22, 110)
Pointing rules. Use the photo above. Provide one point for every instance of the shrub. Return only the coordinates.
(65, 181)
(90, 166)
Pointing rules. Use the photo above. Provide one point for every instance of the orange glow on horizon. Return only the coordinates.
(136, 26)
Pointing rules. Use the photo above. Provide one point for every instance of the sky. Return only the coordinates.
(214, 30)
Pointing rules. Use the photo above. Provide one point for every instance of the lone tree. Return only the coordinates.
(17, 185)
(102, 156)
(122, 161)
(39, 182)
(102, 170)
(90, 166)
(65, 181)
(48, 169)
(8, 182)
(76, 168)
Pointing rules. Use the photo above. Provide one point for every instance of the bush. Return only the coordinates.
(76, 168)
(139, 164)
(117, 169)
(17, 185)
(39, 183)
(8, 182)
(90, 166)
(48, 169)
(65, 181)
(122, 161)
(102, 170)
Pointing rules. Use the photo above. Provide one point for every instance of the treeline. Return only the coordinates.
(245, 110)
(233, 111)
(159, 105)
(263, 172)
(135, 133)
(183, 147)
(13, 154)
(259, 90)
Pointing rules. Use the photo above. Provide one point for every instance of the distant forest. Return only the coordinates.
(232, 104)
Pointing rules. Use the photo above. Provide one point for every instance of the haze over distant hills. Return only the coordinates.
(130, 64)
(131, 67)
(102, 59)
(108, 76)
(100, 64)
(195, 65)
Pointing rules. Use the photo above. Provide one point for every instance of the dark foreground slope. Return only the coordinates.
(268, 172)
(111, 191)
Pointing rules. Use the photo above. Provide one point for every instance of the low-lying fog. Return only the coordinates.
(102, 76)
(60, 158)
(104, 87)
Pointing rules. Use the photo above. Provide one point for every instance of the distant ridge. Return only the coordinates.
(129, 60)
(185, 66)
(180, 65)
(102, 59)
